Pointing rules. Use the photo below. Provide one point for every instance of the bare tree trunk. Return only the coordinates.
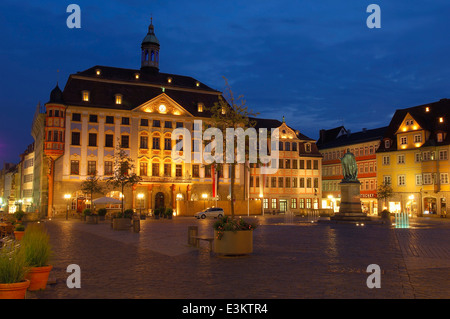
(232, 189)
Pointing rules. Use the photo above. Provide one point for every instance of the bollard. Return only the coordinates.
(192, 232)
(136, 224)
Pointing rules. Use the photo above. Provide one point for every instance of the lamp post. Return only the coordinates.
(140, 196)
(67, 198)
(204, 196)
(261, 196)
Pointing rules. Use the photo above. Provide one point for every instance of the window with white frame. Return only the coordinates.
(444, 178)
(387, 144)
(417, 157)
(418, 179)
(403, 140)
(417, 138)
(427, 179)
(443, 155)
(387, 179)
(401, 180)
(401, 159)
(386, 160)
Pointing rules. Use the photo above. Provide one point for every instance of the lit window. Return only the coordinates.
(223, 110)
(136, 76)
(85, 96)
(439, 137)
(98, 72)
(169, 80)
(200, 107)
(118, 98)
(441, 120)
(427, 109)
(197, 84)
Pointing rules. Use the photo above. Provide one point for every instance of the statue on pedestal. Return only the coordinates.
(349, 167)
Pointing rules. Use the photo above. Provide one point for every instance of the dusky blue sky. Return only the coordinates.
(314, 62)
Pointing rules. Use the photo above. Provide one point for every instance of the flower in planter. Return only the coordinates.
(228, 224)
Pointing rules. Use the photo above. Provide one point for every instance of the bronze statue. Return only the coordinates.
(349, 167)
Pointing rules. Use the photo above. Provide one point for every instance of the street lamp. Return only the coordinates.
(67, 198)
(261, 196)
(204, 196)
(140, 196)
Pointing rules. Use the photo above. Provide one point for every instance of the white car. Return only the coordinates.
(215, 212)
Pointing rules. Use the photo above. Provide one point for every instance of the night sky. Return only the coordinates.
(315, 62)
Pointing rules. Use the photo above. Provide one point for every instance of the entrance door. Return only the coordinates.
(159, 200)
(283, 205)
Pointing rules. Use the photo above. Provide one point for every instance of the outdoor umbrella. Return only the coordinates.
(106, 200)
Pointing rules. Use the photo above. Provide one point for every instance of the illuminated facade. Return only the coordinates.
(103, 107)
(296, 186)
(333, 144)
(414, 158)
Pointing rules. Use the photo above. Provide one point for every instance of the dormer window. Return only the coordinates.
(387, 144)
(200, 107)
(308, 147)
(197, 84)
(169, 80)
(98, 71)
(441, 120)
(118, 98)
(427, 109)
(136, 76)
(440, 137)
(85, 96)
(224, 110)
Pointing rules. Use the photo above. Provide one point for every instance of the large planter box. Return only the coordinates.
(93, 219)
(234, 243)
(31, 217)
(121, 223)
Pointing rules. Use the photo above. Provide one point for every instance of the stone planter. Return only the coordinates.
(121, 223)
(92, 219)
(234, 243)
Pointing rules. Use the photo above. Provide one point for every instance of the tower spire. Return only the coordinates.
(150, 50)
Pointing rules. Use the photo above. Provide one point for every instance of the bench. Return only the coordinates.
(209, 239)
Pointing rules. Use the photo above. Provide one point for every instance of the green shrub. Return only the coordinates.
(102, 212)
(87, 212)
(13, 266)
(36, 244)
(19, 215)
(20, 227)
(169, 212)
(128, 213)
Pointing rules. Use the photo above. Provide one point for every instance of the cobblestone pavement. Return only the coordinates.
(291, 260)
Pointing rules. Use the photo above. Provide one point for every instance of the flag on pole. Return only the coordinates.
(214, 180)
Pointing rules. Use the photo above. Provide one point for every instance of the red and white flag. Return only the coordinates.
(214, 180)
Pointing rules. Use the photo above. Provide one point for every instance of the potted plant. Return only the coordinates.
(13, 268)
(37, 250)
(122, 221)
(156, 213)
(19, 215)
(233, 236)
(101, 213)
(90, 217)
(19, 231)
(169, 213)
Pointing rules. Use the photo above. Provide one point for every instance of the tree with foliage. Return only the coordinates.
(385, 191)
(92, 186)
(231, 112)
(123, 174)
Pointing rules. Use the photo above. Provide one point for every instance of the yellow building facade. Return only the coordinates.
(414, 159)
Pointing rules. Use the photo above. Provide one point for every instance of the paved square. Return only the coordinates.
(291, 259)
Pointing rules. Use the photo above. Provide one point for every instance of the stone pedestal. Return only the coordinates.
(350, 209)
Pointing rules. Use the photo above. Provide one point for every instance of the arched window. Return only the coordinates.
(152, 57)
(146, 55)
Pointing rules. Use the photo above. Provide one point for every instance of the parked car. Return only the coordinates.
(215, 212)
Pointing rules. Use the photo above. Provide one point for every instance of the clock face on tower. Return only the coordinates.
(162, 108)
